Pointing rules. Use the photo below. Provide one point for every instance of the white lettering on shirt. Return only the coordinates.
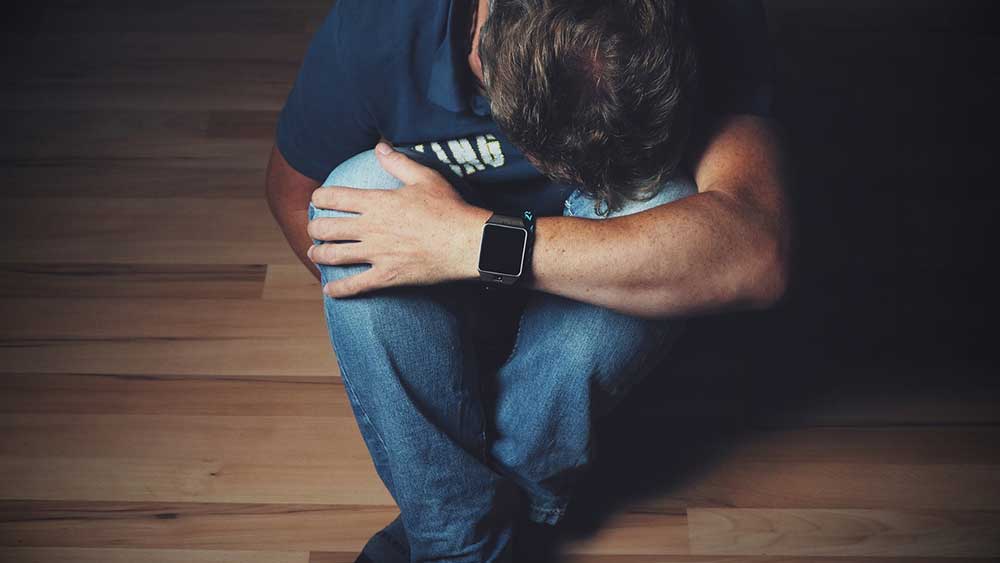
(467, 157)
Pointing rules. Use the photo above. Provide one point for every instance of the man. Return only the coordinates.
(661, 199)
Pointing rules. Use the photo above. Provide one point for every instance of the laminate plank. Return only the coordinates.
(242, 125)
(230, 90)
(837, 485)
(114, 137)
(163, 180)
(805, 532)
(246, 458)
(138, 230)
(889, 446)
(164, 336)
(139, 318)
(172, 395)
(878, 402)
(214, 479)
(84, 133)
(79, 53)
(115, 555)
(200, 526)
(248, 438)
(634, 533)
(291, 282)
(167, 356)
(249, 18)
(192, 281)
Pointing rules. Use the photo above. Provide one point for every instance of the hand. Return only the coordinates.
(420, 234)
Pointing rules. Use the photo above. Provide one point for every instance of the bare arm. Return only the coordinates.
(725, 247)
(288, 193)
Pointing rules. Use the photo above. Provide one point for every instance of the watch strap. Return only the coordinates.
(498, 219)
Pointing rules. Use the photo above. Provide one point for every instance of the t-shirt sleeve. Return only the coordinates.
(325, 119)
(736, 59)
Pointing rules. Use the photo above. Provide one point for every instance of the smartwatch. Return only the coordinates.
(505, 250)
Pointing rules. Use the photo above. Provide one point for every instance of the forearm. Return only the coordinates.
(726, 247)
(288, 193)
(293, 223)
(707, 252)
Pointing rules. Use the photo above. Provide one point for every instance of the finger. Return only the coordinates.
(368, 280)
(342, 198)
(329, 229)
(401, 166)
(342, 254)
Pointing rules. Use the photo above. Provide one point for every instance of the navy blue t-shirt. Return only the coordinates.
(399, 70)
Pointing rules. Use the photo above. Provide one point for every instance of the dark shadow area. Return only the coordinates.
(890, 114)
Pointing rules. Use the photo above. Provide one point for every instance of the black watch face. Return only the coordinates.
(502, 251)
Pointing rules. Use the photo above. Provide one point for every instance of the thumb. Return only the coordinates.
(399, 165)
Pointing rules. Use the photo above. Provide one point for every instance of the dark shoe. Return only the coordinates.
(388, 545)
(534, 542)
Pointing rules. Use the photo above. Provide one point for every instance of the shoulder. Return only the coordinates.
(370, 32)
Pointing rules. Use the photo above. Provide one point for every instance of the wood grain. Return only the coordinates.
(838, 485)
(172, 525)
(141, 230)
(116, 555)
(302, 459)
(164, 337)
(177, 395)
(97, 319)
(159, 356)
(751, 531)
(193, 281)
(291, 282)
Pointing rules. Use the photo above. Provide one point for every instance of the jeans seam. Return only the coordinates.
(361, 407)
(350, 390)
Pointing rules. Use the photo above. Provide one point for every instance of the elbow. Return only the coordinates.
(771, 287)
(769, 273)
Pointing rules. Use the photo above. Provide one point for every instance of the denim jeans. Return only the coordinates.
(459, 475)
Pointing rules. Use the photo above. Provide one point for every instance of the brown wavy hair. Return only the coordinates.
(599, 93)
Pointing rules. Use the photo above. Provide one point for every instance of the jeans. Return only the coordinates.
(459, 475)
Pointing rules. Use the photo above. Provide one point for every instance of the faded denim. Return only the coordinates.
(410, 373)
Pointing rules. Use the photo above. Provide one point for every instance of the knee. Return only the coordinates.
(611, 350)
(582, 345)
(600, 343)
(361, 171)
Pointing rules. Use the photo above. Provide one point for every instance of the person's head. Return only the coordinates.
(597, 93)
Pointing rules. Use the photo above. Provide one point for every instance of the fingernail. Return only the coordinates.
(383, 148)
(309, 252)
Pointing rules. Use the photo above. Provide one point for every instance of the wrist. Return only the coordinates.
(470, 237)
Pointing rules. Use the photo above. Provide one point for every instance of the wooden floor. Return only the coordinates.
(168, 393)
